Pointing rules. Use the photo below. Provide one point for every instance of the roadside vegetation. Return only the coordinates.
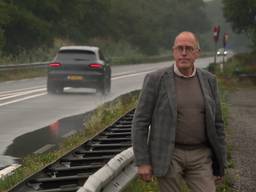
(22, 74)
(117, 54)
(123, 37)
(32, 31)
(146, 27)
(237, 71)
(102, 117)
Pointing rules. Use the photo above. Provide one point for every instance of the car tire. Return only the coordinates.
(105, 86)
(108, 85)
(54, 88)
(50, 87)
(59, 89)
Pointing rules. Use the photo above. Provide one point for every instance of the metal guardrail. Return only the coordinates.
(71, 172)
(23, 66)
(114, 176)
(247, 75)
(114, 60)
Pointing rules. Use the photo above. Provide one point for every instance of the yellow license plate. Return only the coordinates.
(75, 77)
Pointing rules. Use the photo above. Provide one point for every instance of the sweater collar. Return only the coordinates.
(177, 72)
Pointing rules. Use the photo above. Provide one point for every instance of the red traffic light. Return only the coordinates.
(216, 33)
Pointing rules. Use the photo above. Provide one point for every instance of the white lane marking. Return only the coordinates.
(134, 72)
(22, 93)
(45, 148)
(69, 134)
(131, 75)
(23, 89)
(5, 94)
(8, 170)
(22, 99)
(41, 94)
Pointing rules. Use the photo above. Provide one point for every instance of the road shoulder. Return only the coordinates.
(242, 138)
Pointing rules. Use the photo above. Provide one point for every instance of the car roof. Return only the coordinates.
(84, 48)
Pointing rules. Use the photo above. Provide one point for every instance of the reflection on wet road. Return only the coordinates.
(47, 137)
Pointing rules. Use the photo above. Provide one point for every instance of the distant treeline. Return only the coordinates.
(242, 16)
(147, 25)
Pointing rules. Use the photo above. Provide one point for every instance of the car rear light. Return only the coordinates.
(95, 66)
(55, 65)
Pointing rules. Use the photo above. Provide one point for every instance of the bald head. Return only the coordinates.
(185, 52)
(187, 36)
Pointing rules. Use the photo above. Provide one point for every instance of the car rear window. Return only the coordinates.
(75, 55)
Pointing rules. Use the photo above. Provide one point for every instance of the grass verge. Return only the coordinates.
(22, 74)
(100, 118)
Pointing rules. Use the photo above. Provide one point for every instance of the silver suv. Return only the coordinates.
(79, 66)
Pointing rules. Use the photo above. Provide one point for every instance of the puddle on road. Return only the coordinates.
(47, 136)
(50, 135)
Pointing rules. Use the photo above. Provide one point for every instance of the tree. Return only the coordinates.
(24, 31)
(242, 16)
(36, 23)
(147, 25)
(150, 24)
(4, 18)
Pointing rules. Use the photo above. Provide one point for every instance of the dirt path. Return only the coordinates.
(242, 124)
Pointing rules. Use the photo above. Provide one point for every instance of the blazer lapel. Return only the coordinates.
(170, 89)
(204, 86)
(207, 98)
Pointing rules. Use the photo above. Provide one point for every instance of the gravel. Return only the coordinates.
(242, 137)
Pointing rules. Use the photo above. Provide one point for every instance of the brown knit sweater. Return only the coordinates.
(190, 111)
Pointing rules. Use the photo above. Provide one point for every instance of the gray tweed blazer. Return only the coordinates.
(154, 123)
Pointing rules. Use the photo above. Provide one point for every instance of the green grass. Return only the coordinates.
(22, 74)
(99, 119)
(140, 186)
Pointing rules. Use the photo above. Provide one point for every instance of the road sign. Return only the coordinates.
(225, 39)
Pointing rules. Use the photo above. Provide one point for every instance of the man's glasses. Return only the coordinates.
(187, 49)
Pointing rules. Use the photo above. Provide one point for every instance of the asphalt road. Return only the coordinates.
(25, 105)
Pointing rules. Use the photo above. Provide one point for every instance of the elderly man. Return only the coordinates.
(178, 130)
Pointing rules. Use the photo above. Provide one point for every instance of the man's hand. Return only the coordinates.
(145, 172)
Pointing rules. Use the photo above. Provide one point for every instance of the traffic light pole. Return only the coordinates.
(216, 32)
(215, 52)
(222, 64)
(225, 39)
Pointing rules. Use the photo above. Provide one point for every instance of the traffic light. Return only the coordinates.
(216, 33)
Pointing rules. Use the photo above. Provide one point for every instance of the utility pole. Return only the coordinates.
(225, 39)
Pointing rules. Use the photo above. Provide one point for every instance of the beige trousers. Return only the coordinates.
(192, 166)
